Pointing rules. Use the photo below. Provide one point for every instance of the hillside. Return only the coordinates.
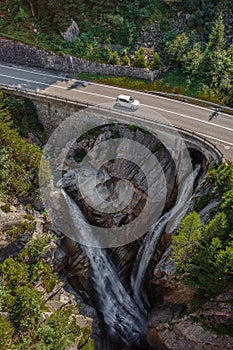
(172, 37)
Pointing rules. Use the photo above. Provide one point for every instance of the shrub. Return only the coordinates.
(125, 60)
(27, 309)
(140, 59)
(6, 332)
(59, 332)
(156, 62)
(114, 58)
(13, 273)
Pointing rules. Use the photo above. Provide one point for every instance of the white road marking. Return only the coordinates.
(214, 138)
(109, 97)
(189, 117)
(35, 72)
(112, 87)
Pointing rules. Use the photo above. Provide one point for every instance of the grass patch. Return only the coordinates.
(173, 82)
(131, 83)
(175, 77)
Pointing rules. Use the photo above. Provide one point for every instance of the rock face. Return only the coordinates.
(59, 297)
(10, 246)
(18, 53)
(152, 37)
(107, 180)
(168, 330)
(219, 312)
(71, 33)
(187, 335)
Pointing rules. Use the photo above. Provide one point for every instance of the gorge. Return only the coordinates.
(114, 278)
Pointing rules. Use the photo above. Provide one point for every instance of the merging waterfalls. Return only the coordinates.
(124, 311)
(122, 315)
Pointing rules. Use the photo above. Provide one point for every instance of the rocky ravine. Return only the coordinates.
(11, 246)
(169, 330)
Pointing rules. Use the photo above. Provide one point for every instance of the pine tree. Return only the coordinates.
(186, 241)
(216, 38)
(215, 60)
(178, 48)
(140, 59)
(156, 62)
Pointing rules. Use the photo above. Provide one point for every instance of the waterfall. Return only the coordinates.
(147, 249)
(124, 314)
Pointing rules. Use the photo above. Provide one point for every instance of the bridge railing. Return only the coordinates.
(42, 95)
(193, 100)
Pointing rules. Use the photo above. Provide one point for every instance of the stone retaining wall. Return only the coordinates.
(18, 53)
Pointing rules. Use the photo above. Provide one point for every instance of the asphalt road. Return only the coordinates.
(195, 118)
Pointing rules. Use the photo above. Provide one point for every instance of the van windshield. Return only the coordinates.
(131, 99)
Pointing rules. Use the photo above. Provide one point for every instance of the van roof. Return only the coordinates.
(125, 97)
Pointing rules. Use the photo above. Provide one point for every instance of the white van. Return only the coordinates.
(127, 101)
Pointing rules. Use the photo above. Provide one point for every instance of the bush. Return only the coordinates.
(23, 228)
(59, 332)
(35, 249)
(126, 60)
(6, 333)
(13, 273)
(114, 58)
(156, 62)
(27, 309)
(140, 59)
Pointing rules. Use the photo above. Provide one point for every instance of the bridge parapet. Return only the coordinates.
(46, 104)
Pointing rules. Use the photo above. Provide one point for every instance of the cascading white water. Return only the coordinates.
(124, 315)
(146, 250)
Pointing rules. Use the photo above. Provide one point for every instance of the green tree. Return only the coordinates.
(217, 227)
(5, 168)
(156, 62)
(227, 207)
(186, 240)
(177, 49)
(114, 57)
(27, 309)
(140, 59)
(230, 54)
(59, 332)
(216, 64)
(23, 158)
(216, 38)
(221, 176)
(193, 59)
(6, 333)
(13, 273)
(126, 60)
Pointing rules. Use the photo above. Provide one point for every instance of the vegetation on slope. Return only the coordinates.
(23, 324)
(203, 252)
(194, 49)
(19, 159)
(26, 321)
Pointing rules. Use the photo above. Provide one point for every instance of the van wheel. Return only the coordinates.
(118, 104)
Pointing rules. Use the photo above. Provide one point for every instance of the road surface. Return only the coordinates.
(192, 117)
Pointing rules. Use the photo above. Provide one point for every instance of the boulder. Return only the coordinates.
(71, 33)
